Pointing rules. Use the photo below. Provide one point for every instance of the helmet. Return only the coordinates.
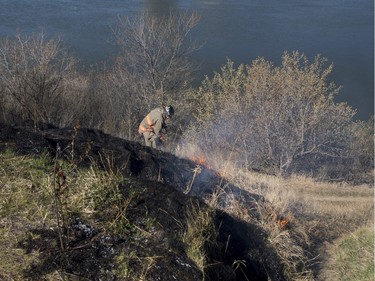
(170, 110)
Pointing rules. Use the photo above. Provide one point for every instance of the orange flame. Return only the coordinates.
(284, 222)
(201, 160)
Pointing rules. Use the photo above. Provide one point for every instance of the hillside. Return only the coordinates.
(78, 204)
(156, 224)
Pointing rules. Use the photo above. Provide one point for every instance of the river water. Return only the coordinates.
(241, 30)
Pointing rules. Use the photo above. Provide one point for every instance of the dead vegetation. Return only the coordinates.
(317, 215)
(303, 217)
(77, 203)
(101, 214)
(118, 218)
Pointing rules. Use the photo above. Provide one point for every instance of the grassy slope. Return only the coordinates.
(325, 216)
(351, 256)
(337, 218)
(34, 247)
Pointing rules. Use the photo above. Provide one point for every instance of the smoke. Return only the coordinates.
(221, 145)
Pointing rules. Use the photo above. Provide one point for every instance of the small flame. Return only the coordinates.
(284, 222)
(202, 161)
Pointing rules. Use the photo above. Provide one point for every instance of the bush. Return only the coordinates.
(36, 80)
(274, 117)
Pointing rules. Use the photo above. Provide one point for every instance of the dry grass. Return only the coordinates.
(27, 201)
(320, 212)
(200, 232)
(300, 215)
(274, 215)
(339, 204)
(284, 235)
(23, 204)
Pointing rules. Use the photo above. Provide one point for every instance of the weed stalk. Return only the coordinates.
(58, 185)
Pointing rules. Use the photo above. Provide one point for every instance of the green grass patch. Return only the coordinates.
(199, 234)
(352, 257)
(29, 189)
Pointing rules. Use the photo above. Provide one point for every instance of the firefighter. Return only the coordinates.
(154, 124)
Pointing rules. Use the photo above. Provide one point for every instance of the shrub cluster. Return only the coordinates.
(279, 119)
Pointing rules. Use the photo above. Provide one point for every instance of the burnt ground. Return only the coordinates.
(157, 181)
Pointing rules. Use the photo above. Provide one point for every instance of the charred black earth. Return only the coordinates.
(158, 180)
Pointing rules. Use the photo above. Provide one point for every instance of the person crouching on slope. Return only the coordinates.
(152, 125)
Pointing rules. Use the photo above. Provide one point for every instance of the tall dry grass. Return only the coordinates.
(322, 212)
(301, 216)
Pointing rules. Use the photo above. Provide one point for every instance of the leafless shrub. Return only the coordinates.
(117, 103)
(273, 117)
(153, 69)
(33, 72)
(155, 51)
(76, 101)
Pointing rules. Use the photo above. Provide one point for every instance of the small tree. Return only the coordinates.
(223, 94)
(362, 145)
(155, 52)
(33, 70)
(118, 102)
(275, 115)
(153, 69)
(295, 112)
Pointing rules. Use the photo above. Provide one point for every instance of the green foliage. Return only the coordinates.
(223, 94)
(25, 202)
(106, 199)
(23, 184)
(124, 267)
(352, 256)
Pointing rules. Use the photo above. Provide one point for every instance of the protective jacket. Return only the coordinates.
(151, 127)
